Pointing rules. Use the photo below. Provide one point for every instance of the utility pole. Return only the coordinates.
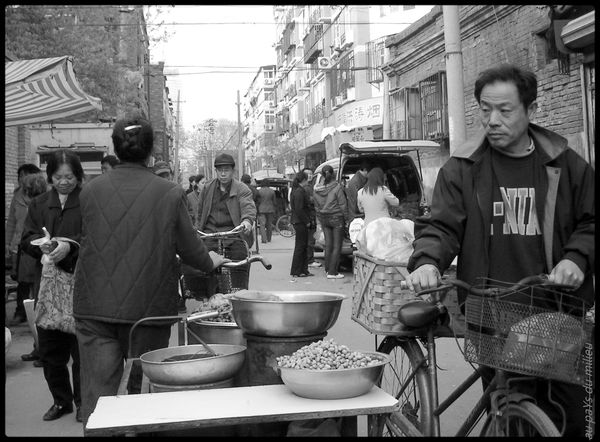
(240, 147)
(454, 72)
(176, 156)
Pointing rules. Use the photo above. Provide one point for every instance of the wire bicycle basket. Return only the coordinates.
(202, 285)
(536, 330)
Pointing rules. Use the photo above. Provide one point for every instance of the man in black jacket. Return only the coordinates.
(519, 204)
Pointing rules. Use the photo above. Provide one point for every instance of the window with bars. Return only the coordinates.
(434, 106)
(342, 77)
(420, 112)
(375, 54)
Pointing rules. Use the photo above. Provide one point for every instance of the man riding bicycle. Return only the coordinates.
(519, 203)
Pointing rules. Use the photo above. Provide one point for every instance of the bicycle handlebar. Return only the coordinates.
(448, 283)
(249, 260)
(232, 232)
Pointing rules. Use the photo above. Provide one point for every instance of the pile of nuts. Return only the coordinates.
(326, 355)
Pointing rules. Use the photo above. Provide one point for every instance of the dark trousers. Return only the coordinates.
(333, 230)
(266, 221)
(23, 292)
(572, 398)
(104, 349)
(56, 348)
(300, 259)
(310, 248)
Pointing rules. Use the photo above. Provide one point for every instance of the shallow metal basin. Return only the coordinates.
(333, 384)
(226, 364)
(217, 332)
(285, 313)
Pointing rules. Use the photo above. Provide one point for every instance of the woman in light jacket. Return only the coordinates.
(332, 211)
(375, 199)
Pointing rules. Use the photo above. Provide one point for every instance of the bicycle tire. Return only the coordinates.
(523, 418)
(284, 227)
(415, 417)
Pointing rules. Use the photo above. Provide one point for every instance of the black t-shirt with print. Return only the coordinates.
(516, 244)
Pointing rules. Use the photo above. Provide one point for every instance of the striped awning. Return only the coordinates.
(42, 90)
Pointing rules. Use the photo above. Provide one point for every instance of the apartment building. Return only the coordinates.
(258, 109)
(328, 82)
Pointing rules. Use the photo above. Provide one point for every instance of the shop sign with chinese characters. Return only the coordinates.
(360, 113)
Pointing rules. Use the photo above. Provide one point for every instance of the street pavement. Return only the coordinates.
(27, 397)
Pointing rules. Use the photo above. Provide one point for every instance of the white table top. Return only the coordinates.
(224, 406)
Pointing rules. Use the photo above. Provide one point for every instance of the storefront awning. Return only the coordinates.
(42, 90)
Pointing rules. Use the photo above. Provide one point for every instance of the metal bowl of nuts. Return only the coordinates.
(325, 370)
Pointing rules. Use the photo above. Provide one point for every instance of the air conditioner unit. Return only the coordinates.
(268, 81)
(269, 127)
(324, 63)
(339, 100)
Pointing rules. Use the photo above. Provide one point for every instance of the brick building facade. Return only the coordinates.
(491, 35)
(160, 113)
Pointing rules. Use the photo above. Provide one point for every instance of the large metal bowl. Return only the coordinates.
(285, 313)
(333, 384)
(217, 332)
(225, 365)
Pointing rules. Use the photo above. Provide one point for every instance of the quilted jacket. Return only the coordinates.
(134, 224)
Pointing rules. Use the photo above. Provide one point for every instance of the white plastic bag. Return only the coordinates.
(354, 229)
(388, 239)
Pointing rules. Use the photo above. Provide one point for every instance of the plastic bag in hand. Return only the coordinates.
(388, 239)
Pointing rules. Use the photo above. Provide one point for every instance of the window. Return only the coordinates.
(405, 114)
(434, 106)
(375, 55)
(420, 112)
(343, 75)
(269, 96)
(269, 117)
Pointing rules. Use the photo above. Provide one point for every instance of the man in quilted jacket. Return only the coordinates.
(135, 223)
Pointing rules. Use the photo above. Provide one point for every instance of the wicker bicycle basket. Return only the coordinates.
(534, 331)
(378, 295)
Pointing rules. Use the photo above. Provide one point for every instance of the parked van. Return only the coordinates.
(401, 161)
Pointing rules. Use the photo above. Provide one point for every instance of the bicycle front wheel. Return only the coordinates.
(405, 378)
(284, 226)
(523, 419)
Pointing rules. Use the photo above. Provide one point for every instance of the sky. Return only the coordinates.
(236, 50)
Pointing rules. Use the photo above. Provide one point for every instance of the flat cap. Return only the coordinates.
(224, 159)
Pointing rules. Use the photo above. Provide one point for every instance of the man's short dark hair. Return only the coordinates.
(28, 169)
(192, 178)
(524, 80)
(199, 177)
(246, 179)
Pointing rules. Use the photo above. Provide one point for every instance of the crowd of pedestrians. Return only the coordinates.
(96, 264)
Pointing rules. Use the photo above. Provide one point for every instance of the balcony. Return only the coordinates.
(288, 38)
(313, 43)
